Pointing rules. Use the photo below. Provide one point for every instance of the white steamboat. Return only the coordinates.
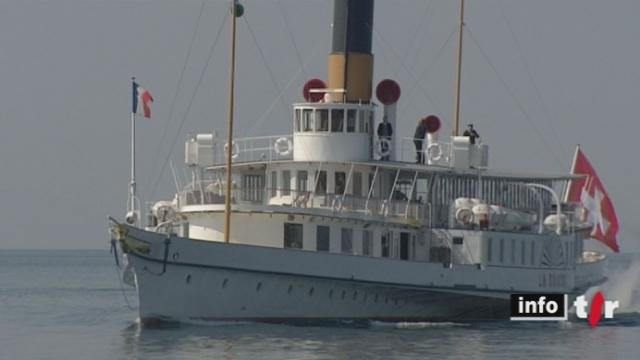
(333, 222)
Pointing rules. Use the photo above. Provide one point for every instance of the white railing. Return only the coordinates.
(212, 193)
(256, 149)
(439, 152)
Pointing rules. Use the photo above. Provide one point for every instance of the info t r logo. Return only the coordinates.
(595, 311)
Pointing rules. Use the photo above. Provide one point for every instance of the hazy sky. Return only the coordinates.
(65, 98)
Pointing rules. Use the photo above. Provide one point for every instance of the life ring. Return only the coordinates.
(434, 152)
(283, 146)
(337, 204)
(235, 149)
(464, 216)
(383, 147)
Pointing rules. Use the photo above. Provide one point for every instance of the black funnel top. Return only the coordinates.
(352, 26)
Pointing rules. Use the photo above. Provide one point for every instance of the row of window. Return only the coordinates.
(293, 236)
(340, 182)
(333, 120)
(517, 255)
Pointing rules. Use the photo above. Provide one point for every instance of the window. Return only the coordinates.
(533, 253)
(489, 249)
(322, 115)
(307, 120)
(346, 246)
(340, 182)
(293, 236)
(513, 251)
(252, 187)
(404, 246)
(522, 251)
(301, 183)
(286, 182)
(321, 185)
(357, 184)
(322, 238)
(274, 183)
(362, 121)
(367, 243)
(297, 120)
(458, 240)
(501, 250)
(384, 245)
(337, 120)
(351, 120)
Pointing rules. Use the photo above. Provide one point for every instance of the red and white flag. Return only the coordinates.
(597, 205)
(142, 95)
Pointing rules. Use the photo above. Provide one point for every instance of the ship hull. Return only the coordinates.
(193, 293)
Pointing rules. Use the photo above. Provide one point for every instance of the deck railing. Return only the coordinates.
(256, 149)
(212, 193)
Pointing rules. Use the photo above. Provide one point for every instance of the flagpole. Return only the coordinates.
(227, 198)
(567, 186)
(132, 216)
(456, 113)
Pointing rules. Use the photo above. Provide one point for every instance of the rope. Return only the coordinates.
(416, 32)
(178, 88)
(264, 60)
(545, 110)
(404, 66)
(186, 113)
(515, 99)
(293, 40)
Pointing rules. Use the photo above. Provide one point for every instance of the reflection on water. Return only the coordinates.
(476, 340)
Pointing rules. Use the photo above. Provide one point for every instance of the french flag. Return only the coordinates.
(141, 95)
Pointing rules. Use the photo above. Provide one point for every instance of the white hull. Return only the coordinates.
(211, 281)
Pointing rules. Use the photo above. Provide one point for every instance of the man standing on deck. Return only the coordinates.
(418, 139)
(471, 133)
(385, 131)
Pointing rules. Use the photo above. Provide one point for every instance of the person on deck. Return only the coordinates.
(418, 139)
(471, 133)
(385, 131)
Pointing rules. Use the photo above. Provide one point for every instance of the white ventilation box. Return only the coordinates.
(200, 150)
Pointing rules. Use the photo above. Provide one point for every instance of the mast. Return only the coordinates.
(132, 214)
(227, 198)
(456, 114)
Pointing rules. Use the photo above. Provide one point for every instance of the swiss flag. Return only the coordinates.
(598, 208)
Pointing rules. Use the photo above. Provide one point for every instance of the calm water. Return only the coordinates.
(69, 305)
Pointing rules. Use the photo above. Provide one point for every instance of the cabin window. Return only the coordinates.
(351, 121)
(533, 253)
(404, 246)
(513, 251)
(522, 252)
(346, 245)
(274, 183)
(362, 121)
(286, 182)
(370, 123)
(301, 183)
(307, 120)
(357, 184)
(501, 250)
(337, 120)
(458, 240)
(252, 187)
(340, 182)
(297, 119)
(489, 250)
(293, 236)
(322, 116)
(385, 245)
(321, 184)
(322, 238)
(367, 243)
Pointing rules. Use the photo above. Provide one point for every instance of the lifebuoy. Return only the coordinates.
(235, 149)
(383, 147)
(337, 204)
(434, 152)
(464, 216)
(280, 149)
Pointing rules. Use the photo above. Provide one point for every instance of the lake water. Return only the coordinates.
(70, 305)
